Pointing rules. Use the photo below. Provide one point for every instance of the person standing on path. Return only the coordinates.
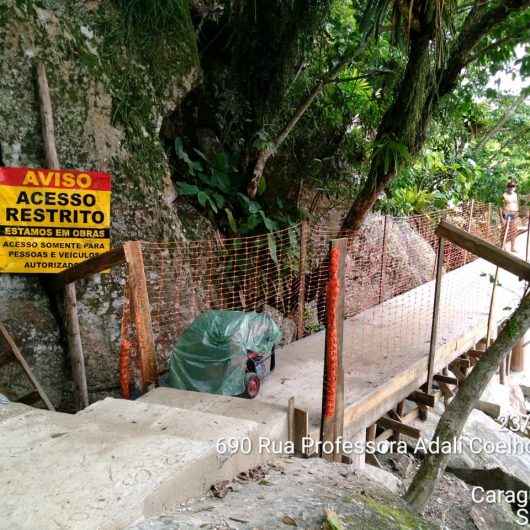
(510, 211)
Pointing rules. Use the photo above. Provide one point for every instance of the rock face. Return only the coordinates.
(486, 446)
(26, 313)
(298, 493)
(112, 83)
(372, 277)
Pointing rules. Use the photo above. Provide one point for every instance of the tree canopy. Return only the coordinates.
(349, 98)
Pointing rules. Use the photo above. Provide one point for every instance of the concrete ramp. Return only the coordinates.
(119, 460)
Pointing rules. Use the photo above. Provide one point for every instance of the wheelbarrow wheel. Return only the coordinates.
(252, 385)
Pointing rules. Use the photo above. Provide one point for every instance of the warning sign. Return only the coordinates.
(51, 219)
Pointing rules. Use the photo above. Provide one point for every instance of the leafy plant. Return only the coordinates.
(217, 188)
(408, 201)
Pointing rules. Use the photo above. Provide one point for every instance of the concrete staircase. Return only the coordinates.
(118, 461)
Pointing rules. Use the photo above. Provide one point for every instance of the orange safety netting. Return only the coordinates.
(388, 257)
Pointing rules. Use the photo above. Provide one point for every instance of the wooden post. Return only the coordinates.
(489, 329)
(304, 233)
(469, 221)
(489, 332)
(528, 237)
(518, 354)
(141, 311)
(75, 346)
(435, 313)
(383, 260)
(371, 432)
(301, 429)
(125, 344)
(333, 386)
(290, 419)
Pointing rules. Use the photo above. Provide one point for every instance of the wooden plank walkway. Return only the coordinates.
(386, 347)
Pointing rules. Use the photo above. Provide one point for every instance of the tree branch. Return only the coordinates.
(265, 154)
(452, 422)
(422, 88)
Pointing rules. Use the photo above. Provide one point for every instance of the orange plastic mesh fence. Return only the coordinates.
(187, 277)
(387, 260)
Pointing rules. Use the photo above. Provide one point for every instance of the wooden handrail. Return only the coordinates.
(484, 250)
(115, 256)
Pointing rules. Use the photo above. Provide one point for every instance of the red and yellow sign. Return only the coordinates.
(51, 219)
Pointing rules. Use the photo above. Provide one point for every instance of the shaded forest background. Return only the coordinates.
(310, 105)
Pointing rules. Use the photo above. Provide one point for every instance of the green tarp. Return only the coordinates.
(211, 354)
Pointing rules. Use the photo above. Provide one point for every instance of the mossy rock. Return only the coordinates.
(110, 93)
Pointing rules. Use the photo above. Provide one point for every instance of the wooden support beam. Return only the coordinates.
(435, 313)
(100, 263)
(518, 354)
(77, 358)
(448, 380)
(371, 432)
(446, 390)
(125, 344)
(422, 398)
(475, 354)
(396, 415)
(387, 423)
(25, 366)
(75, 346)
(409, 417)
(141, 312)
(301, 429)
(290, 419)
(463, 364)
(484, 250)
(460, 375)
(372, 460)
(332, 422)
(491, 409)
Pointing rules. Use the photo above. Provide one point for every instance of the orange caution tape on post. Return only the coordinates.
(332, 296)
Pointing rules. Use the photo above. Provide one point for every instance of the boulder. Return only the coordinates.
(487, 446)
(98, 126)
(27, 314)
(371, 278)
(286, 325)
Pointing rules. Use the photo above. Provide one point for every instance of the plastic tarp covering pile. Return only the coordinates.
(211, 354)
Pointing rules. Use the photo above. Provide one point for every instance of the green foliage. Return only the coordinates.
(153, 15)
(217, 187)
(391, 154)
(408, 201)
(268, 56)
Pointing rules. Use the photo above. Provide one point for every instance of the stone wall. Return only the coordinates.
(112, 83)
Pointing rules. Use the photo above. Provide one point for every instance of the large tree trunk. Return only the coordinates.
(455, 416)
(400, 122)
(423, 85)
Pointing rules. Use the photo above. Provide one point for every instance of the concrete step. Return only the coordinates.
(272, 417)
(119, 461)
